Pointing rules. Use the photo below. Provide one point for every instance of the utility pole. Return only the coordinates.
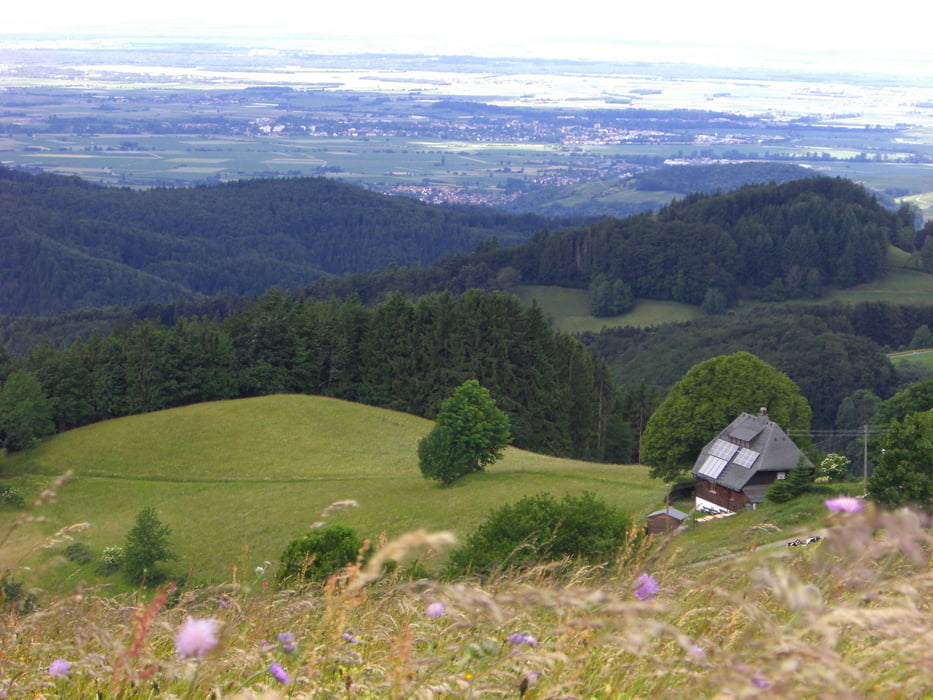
(865, 462)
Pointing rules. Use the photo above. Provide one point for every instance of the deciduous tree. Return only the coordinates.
(470, 433)
(904, 470)
(709, 397)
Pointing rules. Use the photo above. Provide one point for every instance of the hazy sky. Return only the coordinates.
(472, 25)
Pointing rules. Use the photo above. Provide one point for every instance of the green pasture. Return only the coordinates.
(236, 480)
(568, 310)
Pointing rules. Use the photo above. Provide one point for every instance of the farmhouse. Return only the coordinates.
(737, 466)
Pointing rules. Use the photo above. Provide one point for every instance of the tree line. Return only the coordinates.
(766, 242)
(401, 354)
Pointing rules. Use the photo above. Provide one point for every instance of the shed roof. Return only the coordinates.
(764, 447)
(671, 511)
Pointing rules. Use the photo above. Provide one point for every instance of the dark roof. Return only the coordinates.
(749, 445)
(671, 511)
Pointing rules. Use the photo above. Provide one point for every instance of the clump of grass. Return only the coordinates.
(847, 617)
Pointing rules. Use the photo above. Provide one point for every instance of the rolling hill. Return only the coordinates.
(67, 244)
(237, 480)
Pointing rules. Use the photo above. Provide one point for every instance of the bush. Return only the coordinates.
(79, 553)
(111, 560)
(539, 528)
(10, 497)
(799, 480)
(319, 554)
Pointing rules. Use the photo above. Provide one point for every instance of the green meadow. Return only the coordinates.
(568, 309)
(237, 480)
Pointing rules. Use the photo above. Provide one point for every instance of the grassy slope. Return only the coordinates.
(568, 308)
(236, 480)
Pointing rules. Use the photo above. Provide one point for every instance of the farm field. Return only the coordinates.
(473, 131)
(237, 480)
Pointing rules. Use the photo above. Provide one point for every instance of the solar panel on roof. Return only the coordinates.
(723, 449)
(712, 467)
(745, 457)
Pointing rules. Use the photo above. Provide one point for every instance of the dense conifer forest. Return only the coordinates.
(67, 244)
(400, 354)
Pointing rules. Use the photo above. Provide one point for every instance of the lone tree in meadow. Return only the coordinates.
(146, 544)
(710, 396)
(469, 434)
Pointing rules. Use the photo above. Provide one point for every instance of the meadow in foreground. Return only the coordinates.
(846, 617)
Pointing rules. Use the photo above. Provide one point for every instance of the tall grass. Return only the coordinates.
(847, 617)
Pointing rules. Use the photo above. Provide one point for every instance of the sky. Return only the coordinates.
(739, 31)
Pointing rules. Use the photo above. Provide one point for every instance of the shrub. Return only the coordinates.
(799, 480)
(834, 467)
(539, 528)
(10, 497)
(111, 560)
(319, 554)
(79, 553)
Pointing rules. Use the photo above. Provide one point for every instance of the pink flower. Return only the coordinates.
(844, 504)
(59, 668)
(435, 610)
(646, 587)
(196, 637)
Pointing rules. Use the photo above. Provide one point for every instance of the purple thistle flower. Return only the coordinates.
(759, 681)
(349, 637)
(435, 610)
(196, 637)
(844, 504)
(59, 668)
(287, 642)
(279, 672)
(517, 639)
(646, 587)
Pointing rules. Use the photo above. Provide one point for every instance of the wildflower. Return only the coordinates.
(349, 637)
(759, 681)
(518, 639)
(287, 642)
(196, 637)
(646, 587)
(696, 654)
(844, 504)
(59, 668)
(279, 672)
(435, 610)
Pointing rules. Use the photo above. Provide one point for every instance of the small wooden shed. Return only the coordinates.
(665, 520)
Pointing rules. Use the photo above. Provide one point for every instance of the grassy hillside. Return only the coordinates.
(236, 480)
(568, 309)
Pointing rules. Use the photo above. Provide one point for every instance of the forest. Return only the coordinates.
(765, 242)
(68, 244)
(401, 337)
(401, 354)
